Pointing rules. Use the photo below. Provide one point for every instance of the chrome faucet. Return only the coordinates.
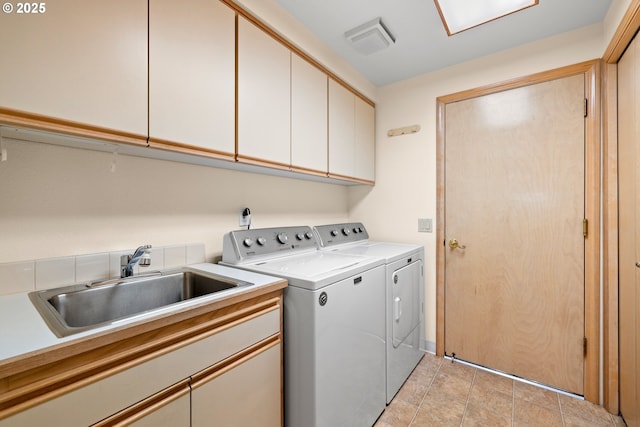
(141, 256)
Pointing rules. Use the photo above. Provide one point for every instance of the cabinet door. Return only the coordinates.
(249, 394)
(264, 97)
(308, 116)
(78, 60)
(192, 74)
(365, 140)
(341, 130)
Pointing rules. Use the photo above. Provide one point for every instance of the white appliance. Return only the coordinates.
(404, 278)
(334, 324)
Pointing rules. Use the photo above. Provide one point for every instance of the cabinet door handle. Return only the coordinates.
(638, 264)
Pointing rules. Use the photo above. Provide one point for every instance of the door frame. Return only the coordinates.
(591, 71)
(624, 34)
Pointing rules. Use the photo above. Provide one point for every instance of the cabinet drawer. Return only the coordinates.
(98, 400)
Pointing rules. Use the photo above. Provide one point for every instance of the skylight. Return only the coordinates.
(460, 15)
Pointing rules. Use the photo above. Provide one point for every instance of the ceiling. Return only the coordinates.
(422, 44)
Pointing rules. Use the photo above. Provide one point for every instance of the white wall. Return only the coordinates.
(406, 165)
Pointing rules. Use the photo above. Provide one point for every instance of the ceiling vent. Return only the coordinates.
(370, 37)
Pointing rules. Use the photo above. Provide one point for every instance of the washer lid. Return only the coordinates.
(389, 251)
(317, 269)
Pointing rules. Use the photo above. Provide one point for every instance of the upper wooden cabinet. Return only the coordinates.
(264, 97)
(78, 61)
(308, 117)
(203, 78)
(351, 135)
(192, 75)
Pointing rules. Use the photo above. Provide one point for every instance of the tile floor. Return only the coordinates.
(441, 393)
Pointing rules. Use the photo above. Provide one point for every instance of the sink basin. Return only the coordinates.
(78, 308)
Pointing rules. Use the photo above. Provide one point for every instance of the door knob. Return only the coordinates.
(454, 244)
(638, 264)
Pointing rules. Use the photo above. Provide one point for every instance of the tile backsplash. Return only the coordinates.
(27, 276)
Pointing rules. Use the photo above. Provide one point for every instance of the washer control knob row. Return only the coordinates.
(358, 230)
(248, 242)
(282, 238)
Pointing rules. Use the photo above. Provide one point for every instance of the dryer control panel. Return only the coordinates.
(336, 234)
(242, 245)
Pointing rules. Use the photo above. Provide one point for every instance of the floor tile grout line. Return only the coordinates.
(513, 402)
(433, 378)
(561, 411)
(466, 404)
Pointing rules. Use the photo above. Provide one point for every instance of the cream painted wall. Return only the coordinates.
(60, 201)
(614, 15)
(406, 165)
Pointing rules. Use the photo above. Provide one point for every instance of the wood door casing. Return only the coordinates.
(628, 216)
(591, 71)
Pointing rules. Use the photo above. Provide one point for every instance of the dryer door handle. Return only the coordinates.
(397, 308)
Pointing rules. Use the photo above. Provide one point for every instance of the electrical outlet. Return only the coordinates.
(425, 225)
(245, 217)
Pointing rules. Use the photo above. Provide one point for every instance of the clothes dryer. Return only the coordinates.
(404, 290)
(334, 324)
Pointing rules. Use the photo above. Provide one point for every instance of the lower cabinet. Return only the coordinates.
(228, 373)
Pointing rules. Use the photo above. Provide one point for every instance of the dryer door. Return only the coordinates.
(406, 301)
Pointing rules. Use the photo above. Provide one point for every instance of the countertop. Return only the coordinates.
(23, 332)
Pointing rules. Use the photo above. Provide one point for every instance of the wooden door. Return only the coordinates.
(628, 217)
(515, 202)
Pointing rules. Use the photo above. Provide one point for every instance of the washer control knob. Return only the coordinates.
(334, 233)
(261, 240)
(247, 242)
(282, 238)
(308, 235)
(346, 231)
(299, 236)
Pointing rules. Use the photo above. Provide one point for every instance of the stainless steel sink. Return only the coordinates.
(72, 309)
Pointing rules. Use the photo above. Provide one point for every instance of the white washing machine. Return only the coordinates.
(334, 324)
(404, 278)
